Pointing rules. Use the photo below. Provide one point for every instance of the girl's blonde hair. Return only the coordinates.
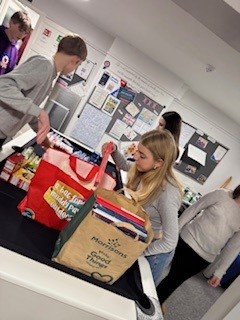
(147, 185)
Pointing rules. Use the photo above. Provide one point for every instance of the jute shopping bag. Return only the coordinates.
(61, 184)
(97, 248)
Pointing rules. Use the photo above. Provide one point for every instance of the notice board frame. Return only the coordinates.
(215, 152)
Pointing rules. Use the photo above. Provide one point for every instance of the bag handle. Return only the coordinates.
(128, 226)
(129, 192)
(73, 164)
(96, 170)
(103, 164)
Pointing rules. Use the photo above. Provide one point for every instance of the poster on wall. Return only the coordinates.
(90, 126)
(187, 132)
(218, 154)
(128, 149)
(110, 105)
(81, 74)
(98, 97)
(49, 38)
(137, 114)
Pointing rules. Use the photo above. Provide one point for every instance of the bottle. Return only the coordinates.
(27, 152)
(33, 163)
(193, 199)
(188, 196)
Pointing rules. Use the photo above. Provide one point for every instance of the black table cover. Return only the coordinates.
(36, 241)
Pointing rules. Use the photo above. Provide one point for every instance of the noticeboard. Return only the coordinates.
(115, 109)
(200, 153)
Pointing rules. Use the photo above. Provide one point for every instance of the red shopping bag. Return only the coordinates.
(61, 184)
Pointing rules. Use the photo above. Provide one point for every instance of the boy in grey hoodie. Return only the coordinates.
(24, 89)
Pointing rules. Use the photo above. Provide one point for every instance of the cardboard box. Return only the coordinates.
(21, 178)
(14, 162)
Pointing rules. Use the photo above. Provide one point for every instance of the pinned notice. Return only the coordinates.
(218, 154)
(197, 154)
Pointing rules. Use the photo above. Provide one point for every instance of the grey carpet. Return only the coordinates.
(191, 300)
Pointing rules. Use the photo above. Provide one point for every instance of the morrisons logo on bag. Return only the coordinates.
(111, 245)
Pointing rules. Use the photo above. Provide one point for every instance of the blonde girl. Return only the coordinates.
(154, 184)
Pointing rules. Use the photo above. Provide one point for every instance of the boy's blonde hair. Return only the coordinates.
(73, 45)
(147, 185)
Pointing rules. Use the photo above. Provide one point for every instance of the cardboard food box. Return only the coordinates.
(22, 178)
(12, 164)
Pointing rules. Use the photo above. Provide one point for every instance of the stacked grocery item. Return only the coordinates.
(19, 168)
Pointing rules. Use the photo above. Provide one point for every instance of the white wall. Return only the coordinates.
(67, 18)
(150, 69)
(193, 108)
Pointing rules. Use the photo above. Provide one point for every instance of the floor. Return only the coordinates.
(191, 300)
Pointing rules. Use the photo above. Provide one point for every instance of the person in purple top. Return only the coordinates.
(19, 27)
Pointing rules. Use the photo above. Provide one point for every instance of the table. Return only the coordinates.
(33, 281)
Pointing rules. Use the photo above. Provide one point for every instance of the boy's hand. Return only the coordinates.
(47, 144)
(214, 281)
(43, 126)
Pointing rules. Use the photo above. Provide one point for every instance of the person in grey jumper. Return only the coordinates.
(209, 234)
(25, 88)
(156, 188)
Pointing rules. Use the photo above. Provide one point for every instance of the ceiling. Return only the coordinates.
(185, 36)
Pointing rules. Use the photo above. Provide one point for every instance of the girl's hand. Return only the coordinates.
(104, 148)
(214, 281)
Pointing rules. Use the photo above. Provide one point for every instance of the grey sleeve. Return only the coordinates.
(14, 86)
(120, 161)
(226, 257)
(34, 124)
(169, 216)
(202, 204)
